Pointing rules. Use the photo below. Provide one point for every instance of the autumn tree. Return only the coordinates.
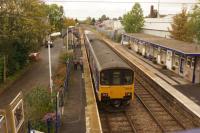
(24, 25)
(194, 22)
(133, 20)
(180, 27)
(69, 22)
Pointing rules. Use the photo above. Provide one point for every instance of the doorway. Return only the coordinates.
(182, 63)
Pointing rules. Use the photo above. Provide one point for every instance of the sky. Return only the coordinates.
(116, 8)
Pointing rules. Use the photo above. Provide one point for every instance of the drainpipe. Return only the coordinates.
(122, 39)
(4, 68)
(195, 63)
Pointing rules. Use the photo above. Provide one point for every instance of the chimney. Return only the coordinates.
(151, 11)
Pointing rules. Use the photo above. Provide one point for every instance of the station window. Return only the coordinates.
(188, 61)
(176, 59)
(193, 62)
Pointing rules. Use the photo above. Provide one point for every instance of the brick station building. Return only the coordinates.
(181, 57)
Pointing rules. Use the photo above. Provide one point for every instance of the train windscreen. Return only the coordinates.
(116, 77)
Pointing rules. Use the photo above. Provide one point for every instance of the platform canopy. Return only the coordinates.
(55, 34)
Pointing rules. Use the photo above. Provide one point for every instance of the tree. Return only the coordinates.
(103, 18)
(88, 20)
(24, 25)
(194, 22)
(133, 20)
(119, 18)
(93, 21)
(69, 22)
(180, 27)
(55, 13)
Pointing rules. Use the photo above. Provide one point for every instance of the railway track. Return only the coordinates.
(167, 121)
(117, 122)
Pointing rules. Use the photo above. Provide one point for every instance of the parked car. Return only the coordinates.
(34, 56)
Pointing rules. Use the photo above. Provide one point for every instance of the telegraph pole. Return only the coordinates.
(158, 15)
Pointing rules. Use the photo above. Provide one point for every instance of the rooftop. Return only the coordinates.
(186, 48)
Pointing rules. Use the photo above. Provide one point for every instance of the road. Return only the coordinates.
(37, 75)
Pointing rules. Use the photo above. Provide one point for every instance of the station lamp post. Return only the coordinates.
(70, 27)
(67, 38)
(50, 71)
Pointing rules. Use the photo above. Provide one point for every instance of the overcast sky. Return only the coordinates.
(81, 10)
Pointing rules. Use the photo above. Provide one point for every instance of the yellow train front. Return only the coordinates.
(112, 77)
(116, 86)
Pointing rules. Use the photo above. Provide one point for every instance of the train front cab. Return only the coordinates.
(116, 86)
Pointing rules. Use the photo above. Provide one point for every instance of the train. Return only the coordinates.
(113, 78)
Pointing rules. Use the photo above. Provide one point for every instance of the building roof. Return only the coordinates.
(171, 44)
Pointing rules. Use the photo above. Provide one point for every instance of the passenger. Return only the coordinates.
(75, 65)
(81, 64)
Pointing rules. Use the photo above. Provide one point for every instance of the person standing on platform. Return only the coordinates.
(81, 64)
(75, 65)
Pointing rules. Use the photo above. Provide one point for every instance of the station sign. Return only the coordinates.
(18, 116)
(3, 126)
(12, 115)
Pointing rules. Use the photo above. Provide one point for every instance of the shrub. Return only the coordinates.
(38, 103)
(154, 61)
(118, 38)
(65, 56)
(164, 67)
(174, 68)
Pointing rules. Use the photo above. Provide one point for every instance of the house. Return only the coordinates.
(158, 26)
(112, 24)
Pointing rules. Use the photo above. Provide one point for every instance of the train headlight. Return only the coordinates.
(128, 94)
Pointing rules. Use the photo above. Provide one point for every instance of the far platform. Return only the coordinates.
(186, 87)
(164, 81)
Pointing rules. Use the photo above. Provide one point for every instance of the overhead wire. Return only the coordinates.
(120, 2)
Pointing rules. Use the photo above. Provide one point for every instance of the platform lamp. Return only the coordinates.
(50, 71)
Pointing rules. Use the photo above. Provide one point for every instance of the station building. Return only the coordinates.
(180, 57)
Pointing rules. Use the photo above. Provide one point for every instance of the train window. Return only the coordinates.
(105, 78)
(127, 77)
(116, 78)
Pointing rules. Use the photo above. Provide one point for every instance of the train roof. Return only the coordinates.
(106, 57)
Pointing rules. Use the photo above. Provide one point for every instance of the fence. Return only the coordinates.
(1, 69)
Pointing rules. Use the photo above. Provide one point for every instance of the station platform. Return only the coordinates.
(80, 110)
(183, 91)
(93, 123)
(186, 87)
